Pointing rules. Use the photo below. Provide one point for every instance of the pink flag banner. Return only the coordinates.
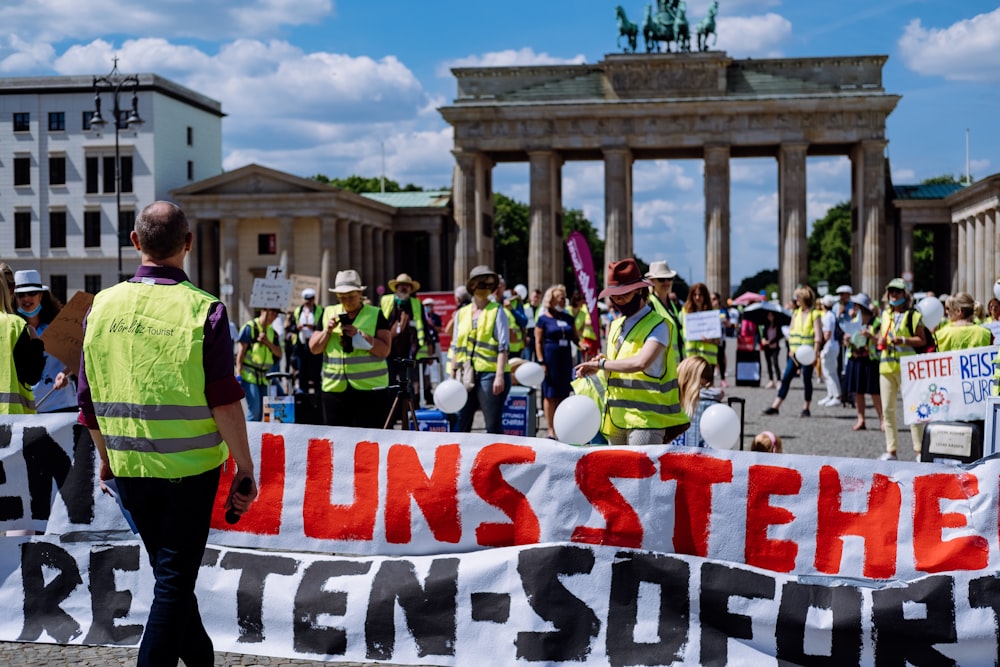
(583, 266)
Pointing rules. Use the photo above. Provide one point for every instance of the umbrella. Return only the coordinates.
(747, 298)
(757, 313)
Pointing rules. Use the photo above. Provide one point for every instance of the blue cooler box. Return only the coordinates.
(432, 420)
(519, 412)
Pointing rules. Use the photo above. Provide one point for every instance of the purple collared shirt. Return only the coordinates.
(221, 385)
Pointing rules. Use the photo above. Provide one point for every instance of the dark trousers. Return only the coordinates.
(173, 517)
(353, 407)
(786, 379)
(771, 357)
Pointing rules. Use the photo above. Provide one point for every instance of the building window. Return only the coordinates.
(93, 174)
(190, 135)
(22, 229)
(109, 173)
(57, 286)
(190, 170)
(22, 171)
(126, 166)
(267, 244)
(126, 223)
(92, 283)
(57, 229)
(22, 122)
(57, 121)
(91, 229)
(57, 170)
(87, 115)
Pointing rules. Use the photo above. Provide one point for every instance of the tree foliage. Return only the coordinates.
(511, 232)
(765, 281)
(360, 184)
(829, 247)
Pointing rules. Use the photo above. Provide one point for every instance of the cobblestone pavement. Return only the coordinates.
(826, 433)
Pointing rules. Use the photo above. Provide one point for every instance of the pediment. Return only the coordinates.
(255, 179)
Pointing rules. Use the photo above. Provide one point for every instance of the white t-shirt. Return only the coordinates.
(828, 322)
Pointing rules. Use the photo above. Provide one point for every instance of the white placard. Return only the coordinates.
(992, 424)
(947, 386)
(271, 292)
(699, 326)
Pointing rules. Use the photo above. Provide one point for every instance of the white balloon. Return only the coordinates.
(577, 420)
(859, 340)
(530, 374)
(720, 426)
(996, 288)
(786, 331)
(450, 396)
(931, 310)
(805, 355)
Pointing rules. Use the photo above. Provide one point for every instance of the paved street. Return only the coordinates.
(827, 433)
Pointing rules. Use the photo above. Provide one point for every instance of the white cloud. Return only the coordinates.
(753, 36)
(507, 58)
(981, 167)
(968, 50)
(901, 175)
(661, 176)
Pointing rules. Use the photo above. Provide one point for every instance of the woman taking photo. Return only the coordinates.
(555, 334)
(643, 401)
(901, 330)
(805, 331)
(862, 364)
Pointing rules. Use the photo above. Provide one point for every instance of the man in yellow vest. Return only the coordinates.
(260, 349)
(405, 315)
(157, 391)
(643, 398)
(354, 341)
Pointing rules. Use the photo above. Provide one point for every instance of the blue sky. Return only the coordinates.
(317, 86)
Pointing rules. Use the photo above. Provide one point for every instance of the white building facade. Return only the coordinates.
(58, 200)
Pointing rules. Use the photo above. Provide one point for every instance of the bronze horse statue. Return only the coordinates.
(668, 24)
(626, 29)
(706, 27)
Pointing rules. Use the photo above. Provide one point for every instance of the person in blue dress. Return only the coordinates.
(555, 334)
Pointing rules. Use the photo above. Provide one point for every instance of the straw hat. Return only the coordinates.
(405, 279)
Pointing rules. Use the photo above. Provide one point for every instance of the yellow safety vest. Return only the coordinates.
(258, 360)
(480, 345)
(803, 333)
(360, 368)
(144, 350)
(889, 356)
(707, 351)
(638, 400)
(516, 337)
(584, 327)
(15, 398)
(418, 320)
(673, 323)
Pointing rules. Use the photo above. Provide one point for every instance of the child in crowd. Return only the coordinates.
(766, 442)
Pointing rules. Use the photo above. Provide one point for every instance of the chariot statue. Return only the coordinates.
(667, 24)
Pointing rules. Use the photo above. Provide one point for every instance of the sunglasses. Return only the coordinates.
(663, 280)
(24, 294)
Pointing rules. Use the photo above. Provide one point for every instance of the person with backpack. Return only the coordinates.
(902, 333)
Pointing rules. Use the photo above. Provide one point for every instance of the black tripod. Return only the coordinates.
(404, 397)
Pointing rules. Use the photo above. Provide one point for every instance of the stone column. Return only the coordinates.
(717, 219)
(229, 262)
(484, 211)
(992, 252)
(543, 240)
(969, 282)
(329, 241)
(434, 246)
(955, 257)
(464, 201)
(793, 251)
(617, 205)
(906, 241)
(982, 286)
(868, 162)
(367, 268)
(389, 252)
(356, 260)
(379, 268)
(286, 246)
(347, 246)
(958, 284)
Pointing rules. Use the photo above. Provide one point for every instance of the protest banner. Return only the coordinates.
(522, 550)
(947, 386)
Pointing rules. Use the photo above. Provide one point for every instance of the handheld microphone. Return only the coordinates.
(232, 516)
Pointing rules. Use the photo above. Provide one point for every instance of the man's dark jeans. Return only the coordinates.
(173, 517)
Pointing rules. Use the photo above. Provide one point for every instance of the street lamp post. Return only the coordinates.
(114, 82)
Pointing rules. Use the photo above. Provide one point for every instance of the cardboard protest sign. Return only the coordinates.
(63, 337)
(272, 291)
(301, 282)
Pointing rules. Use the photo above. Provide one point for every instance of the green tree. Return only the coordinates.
(830, 247)
(511, 229)
(359, 184)
(765, 280)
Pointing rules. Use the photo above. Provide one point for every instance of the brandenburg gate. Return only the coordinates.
(704, 105)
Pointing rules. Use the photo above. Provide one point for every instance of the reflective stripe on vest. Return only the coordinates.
(258, 360)
(360, 369)
(144, 350)
(481, 345)
(637, 400)
(15, 398)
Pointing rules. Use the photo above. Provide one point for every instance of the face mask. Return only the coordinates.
(483, 293)
(897, 302)
(31, 313)
(631, 307)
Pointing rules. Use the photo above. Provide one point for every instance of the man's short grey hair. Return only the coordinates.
(162, 229)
